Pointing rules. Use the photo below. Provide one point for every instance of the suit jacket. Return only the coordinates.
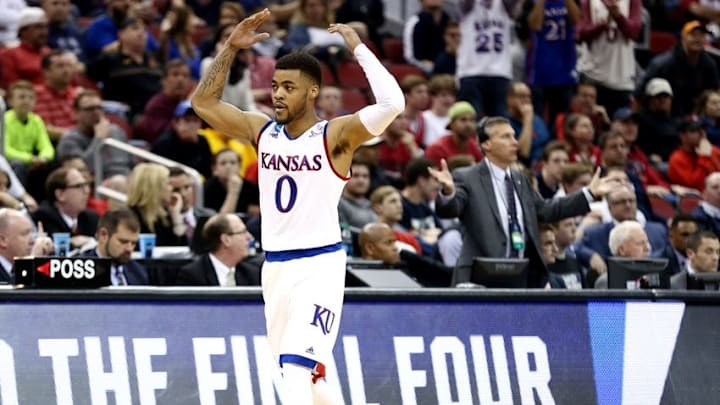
(683, 281)
(5, 276)
(673, 263)
(484, 235)
(706, 222)
(200, 272)
(52, 221)
(135, 273)
(595, 240)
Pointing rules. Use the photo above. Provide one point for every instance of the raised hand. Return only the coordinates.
(244, 36)
(443, 177)
(352, 39)
(600, 187)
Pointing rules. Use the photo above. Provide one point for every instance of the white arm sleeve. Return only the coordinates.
(390, 100)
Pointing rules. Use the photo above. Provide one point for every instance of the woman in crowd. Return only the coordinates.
(176, 38)
(226, 191)
(150, 196)
(580, 137)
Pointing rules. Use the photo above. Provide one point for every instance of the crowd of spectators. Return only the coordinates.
(572, 78)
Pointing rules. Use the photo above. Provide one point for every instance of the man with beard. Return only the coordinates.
(461, 139)
(117, 234)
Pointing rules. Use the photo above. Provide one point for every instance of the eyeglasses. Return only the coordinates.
(79, 185)
(244, 231)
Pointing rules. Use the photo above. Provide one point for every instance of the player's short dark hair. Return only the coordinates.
(214, 229)
(302, 61)
(416, 169)
(112, 219)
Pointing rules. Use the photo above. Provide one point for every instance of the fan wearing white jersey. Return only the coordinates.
(304, 163)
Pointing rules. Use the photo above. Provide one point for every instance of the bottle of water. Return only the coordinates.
(346, 238)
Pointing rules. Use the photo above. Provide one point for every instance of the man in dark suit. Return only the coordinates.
(67, 192)
(681, 227)
(594, 249)
(703, 251)
(492, 200)
(224, 265)
(117, 234)
(16, 240)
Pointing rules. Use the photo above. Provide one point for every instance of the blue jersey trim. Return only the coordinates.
(285, 255)
(299, 360)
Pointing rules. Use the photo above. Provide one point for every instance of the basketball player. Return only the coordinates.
(304, 164)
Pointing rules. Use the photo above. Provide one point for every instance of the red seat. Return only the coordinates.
(661, 41)
(352, 76)
(400, 70)
(393, 49)
(353, 100)
(689, 202)
(662, 207)
(328, 78)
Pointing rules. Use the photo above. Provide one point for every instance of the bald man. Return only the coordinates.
(16, 240)
(377, 242)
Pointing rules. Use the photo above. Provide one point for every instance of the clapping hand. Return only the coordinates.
(443, 177)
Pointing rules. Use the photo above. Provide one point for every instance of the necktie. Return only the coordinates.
(120, 276)
(230, 279)
(189, 229)
(514, 231)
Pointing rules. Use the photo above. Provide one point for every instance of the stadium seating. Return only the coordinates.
(393, 49)
(353, 100)
(689, 202)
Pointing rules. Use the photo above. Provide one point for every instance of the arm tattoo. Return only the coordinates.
(213, 82)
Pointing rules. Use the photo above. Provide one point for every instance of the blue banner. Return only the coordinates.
(207, 352)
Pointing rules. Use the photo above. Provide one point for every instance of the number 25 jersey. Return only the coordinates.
(299, 189)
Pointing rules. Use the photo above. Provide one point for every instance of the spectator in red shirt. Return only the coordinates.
(580, 135)
(54, 102)
(462, 139)
(696, 158)
(398, 148)
(160, 109)
(24, 61)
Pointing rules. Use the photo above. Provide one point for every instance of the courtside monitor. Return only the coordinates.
(496, 272)
(709, 281)
(634, 274)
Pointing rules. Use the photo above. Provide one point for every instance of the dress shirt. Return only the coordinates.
(6, 265)
(221, 270)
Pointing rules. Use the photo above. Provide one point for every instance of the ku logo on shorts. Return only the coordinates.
(323, 318)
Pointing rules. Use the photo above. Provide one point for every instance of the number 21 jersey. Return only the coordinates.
(299, 189)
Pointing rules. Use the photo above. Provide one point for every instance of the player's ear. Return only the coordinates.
(314, 91)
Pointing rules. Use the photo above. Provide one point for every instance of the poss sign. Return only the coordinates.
(62, 272)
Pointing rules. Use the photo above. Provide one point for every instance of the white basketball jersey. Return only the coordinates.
(299, 189)
(610, 58)
(485, 36)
